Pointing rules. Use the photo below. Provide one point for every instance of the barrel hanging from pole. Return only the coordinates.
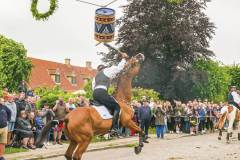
(104, 25)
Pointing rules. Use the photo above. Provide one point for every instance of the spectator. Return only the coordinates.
(178, 113)
(30, 92)
(38, 123)
(159, 115)
(81, 102)
(31, 105)
(11, 105)
(5, 116)
(71, 104)
(25, 131)
(31, 118)
(202, 118)
(144, 116)
(60, 110)
(22, 87)
(21, 103)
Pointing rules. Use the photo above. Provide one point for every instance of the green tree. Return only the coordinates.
(215, 87)
(172, 36)
(138, 93)
(234, 72)
(14, 64)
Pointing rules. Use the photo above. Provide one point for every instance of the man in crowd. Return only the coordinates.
(5, 116)
(21, 103)
(11, 105)
(145, 115)
(60, 110)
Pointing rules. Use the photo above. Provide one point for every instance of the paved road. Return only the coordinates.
(203, 147)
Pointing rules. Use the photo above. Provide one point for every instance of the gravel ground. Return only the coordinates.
(202, 147)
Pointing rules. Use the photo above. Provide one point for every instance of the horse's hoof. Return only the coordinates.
(219, 138)
(137, 149)
(141, 145)
(68, 157)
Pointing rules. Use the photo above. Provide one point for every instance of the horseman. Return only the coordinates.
(234, 97)
(101, 84)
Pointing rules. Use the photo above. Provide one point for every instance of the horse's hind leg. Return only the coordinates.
(132, 125)
(82, 147)
(69, 153)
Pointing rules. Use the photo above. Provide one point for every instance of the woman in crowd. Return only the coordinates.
(25, 131)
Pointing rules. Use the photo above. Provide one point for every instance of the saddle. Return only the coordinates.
(101, 109)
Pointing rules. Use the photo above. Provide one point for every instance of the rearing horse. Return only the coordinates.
(83, 123)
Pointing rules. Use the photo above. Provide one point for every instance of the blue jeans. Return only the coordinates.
(160, 130)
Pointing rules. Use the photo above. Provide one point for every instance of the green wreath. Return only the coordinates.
(43, 16)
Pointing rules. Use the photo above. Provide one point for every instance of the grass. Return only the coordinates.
(98, 139)
(152, 130)
(10, 150)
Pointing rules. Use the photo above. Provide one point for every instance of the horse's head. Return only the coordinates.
(133, 64)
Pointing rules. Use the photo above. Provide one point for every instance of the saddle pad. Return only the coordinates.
(103, 111)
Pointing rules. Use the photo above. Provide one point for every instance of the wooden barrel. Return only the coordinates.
(104, 24)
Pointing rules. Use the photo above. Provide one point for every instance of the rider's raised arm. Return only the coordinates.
(236, 97)
(112, 71)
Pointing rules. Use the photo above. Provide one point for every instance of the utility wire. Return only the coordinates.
(94, 4)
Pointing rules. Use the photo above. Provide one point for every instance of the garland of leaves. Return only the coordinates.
(43, 16)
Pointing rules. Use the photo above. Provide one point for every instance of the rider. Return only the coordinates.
(234, 97)
(101, 84)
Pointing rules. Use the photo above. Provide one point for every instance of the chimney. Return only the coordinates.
(89, 64)
(67, 61)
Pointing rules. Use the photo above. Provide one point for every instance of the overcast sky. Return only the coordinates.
(69, 33)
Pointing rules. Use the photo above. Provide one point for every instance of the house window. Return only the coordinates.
(72, 79)
(57, 78)
(55, 75)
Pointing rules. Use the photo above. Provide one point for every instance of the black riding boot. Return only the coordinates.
(115, 125)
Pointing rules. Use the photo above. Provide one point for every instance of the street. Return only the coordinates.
(202, 147)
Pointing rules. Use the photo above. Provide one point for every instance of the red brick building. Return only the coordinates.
(70, 78)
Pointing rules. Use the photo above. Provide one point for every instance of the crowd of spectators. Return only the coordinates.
(27, 121)
(21, 121)
(192, 117)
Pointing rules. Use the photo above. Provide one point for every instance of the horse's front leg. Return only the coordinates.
(220, 134)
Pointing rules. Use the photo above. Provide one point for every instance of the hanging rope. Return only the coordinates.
(94, 4)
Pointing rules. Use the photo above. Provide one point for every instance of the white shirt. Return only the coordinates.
(112, 71)
(236, 97)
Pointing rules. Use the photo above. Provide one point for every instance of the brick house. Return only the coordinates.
(68, 77)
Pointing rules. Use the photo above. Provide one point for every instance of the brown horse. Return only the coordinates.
(83, 123)
(232, 114)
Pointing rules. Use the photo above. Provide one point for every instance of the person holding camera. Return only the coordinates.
(159, 115)
(60, 110)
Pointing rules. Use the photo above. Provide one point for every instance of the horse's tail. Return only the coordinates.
(44, 133)
(221, 121)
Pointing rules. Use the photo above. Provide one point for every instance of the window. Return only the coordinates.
(57, 78)
(72, 79)
(55, 75)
